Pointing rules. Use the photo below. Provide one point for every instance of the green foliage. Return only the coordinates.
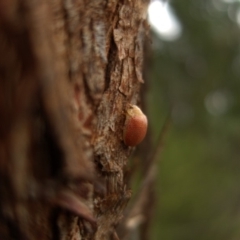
(197, 79)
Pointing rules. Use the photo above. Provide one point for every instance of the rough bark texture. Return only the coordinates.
(68, 70)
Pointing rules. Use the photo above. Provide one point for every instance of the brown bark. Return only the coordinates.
(68, 70)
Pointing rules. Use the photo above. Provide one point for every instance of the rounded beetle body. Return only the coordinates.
(135, 127)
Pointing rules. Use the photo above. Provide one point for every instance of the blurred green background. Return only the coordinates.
(196, 77)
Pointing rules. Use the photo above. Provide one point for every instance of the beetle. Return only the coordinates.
(135, 127)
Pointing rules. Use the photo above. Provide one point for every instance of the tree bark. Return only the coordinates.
(68, 71)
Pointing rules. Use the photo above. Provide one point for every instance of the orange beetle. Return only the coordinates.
(135, 127)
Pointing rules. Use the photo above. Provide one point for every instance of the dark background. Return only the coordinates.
(196, 78)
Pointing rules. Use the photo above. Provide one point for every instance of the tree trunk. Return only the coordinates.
(68, 71)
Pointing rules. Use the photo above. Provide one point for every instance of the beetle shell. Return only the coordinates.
(135, 127)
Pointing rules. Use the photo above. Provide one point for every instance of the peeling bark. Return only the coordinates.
(68, 71)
